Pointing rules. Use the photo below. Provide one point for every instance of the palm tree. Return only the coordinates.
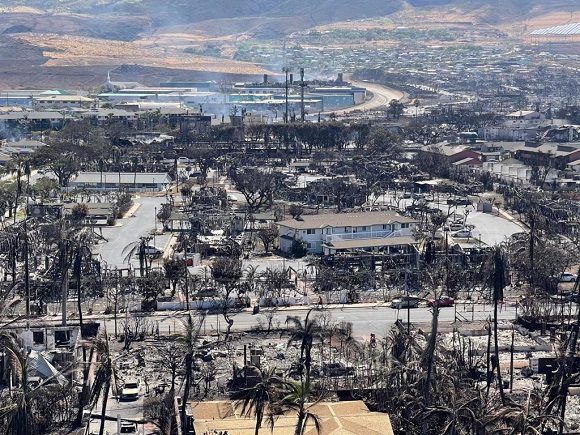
(24, 411)
(189, 342)
(304, 333)
(139, 248)
(528, 419)
(458, 419)
(17, 170)
(105, 377)
(255, 401)
(18, 414)
(499, 283)
(296, 400)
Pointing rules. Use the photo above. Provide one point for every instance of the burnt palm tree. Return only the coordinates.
(459, 419)
(16, 416)
(73, 254)
(189, 342)
(296, 400)
(261, 398)
(20, 413)
(139, 249)
(529, 418)
(304, 333)
(17, 170)
(105, 378)
(499, 283)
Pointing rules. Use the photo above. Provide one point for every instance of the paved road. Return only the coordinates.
(381, 97)
(118, 409)
(129, 230)
(365, 320)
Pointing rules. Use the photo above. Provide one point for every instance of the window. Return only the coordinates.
(387, 227)
(308, 245)
(62, 337)
(364, 228)
(347, 229)
(311, 231)
(404, 225)
(38, 337)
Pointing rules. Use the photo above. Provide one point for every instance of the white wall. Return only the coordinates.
(318, 235)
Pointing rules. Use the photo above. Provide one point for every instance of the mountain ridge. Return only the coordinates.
(176, 12)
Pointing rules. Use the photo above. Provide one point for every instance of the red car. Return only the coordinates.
(443, 301)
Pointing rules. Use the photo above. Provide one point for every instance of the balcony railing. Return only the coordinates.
(362, 235)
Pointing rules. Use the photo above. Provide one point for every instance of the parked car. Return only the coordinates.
(128, 427)
(130, 389)
(463, 201)
(443, 301)
(568, 277)
(456, 226)
(462, 234)
(152, 251)
(336, 369)
(563, 298)
(405, 302)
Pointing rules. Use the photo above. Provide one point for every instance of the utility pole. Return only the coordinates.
(286, 114)
(26, 268)
(302, 86)
(408, 304)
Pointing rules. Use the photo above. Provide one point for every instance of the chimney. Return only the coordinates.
(265, 79)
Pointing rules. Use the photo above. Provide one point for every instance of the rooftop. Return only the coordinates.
(336, 418)
(31, 115)
(124, 177)
(521, 113)
(447, 149)
(60, 97)
(346, 220)
(566, 29)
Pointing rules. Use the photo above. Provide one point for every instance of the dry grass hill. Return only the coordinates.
(74, 41)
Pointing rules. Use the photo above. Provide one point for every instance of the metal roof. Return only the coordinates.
(123, 177)
(566, 29)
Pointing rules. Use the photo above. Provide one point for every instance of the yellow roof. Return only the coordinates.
(336, 418)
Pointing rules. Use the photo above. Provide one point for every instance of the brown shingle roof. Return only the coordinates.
(337, 418)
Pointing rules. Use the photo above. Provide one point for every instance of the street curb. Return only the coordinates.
(131, 212)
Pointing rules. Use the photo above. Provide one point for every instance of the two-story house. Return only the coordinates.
(329, 234)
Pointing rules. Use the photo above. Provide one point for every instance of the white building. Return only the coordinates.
(509, 170)
(519, 126)
(61, 101)
(381, 231)
(525, 119)
(134, 181)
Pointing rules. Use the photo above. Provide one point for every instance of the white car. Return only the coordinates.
(128, 427)
(462, 234)
(130, 390)
(568, 277)
(456, 226)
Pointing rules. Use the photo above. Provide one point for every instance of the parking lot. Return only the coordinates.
(488, 228)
